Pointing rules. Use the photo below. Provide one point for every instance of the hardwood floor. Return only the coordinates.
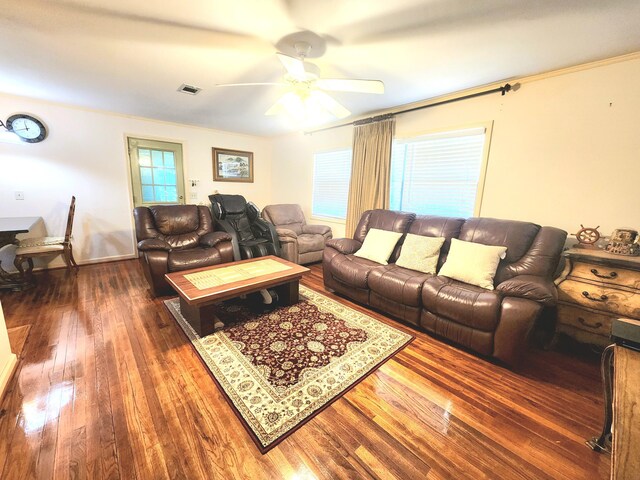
(109, 387)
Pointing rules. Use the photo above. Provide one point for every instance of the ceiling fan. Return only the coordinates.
(306, 95)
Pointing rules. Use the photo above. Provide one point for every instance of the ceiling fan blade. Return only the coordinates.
(294, 66)
(351, 85)
(329, 104)
(249, 84)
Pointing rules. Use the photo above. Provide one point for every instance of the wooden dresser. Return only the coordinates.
(594, 288)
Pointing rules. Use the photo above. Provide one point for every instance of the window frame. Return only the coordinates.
(488, 135)
(327, 218)
(132, 145)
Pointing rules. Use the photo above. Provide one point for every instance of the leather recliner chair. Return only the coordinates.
(172, 238)
(251, 236)
(300, 243)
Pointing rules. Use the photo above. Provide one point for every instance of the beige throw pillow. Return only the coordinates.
(472, 263)
(420, 253)
(378, 245)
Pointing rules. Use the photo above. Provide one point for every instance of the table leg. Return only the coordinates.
(10, 281)
(603, 442)
(203, 319)
(288, 293)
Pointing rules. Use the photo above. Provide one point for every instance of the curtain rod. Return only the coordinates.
(503, 90)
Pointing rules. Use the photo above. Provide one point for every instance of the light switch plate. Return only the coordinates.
(19, 195)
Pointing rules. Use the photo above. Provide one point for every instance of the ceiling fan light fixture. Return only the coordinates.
(308, 107)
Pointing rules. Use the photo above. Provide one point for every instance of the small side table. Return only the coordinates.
(9, 228)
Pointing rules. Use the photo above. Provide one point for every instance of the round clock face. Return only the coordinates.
(28, 128)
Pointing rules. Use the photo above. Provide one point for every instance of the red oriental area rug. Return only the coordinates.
(280, 368)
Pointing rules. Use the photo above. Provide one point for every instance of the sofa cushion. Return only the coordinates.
(192, 258)
(420, 253)
(473, 263)
(383, 220)
(378, 245)
(436, 226)
(310, 242)
(401, 285)
(175, 219)
(515, 235)
(467, 304)
(351, 270)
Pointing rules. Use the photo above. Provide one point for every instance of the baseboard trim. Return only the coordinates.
(115, 258)
(7, 373)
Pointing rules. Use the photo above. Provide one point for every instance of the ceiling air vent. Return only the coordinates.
(190, 89)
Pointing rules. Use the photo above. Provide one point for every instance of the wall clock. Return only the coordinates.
(28, 128)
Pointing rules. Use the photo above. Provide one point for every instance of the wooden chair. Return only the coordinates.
(30, 248)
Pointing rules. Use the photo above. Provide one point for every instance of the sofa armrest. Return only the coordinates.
(286, 235)
(344, 245)
(153, 244)
(211, 239)
(318, 229)
(531, 287)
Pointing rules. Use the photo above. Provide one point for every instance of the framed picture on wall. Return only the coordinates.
(232, 165)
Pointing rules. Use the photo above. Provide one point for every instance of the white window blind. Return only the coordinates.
(438, 174)
(331, 176)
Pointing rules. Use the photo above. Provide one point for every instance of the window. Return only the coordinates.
(439, 174)
(156, 172)
(331, 175)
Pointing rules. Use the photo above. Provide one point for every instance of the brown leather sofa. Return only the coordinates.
(172, 238)
(494, 323)
(300, 243)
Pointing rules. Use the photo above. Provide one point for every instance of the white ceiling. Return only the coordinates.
(130, 56)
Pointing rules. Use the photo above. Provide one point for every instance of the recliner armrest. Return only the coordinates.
(211, 239)
(530, 287)
(344, 245)
(286, 234)
(153, 244)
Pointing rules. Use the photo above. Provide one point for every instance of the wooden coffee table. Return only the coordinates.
(201, 288)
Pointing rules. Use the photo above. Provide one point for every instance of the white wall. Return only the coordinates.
(293, 167)
(565, 149)
(85, 156)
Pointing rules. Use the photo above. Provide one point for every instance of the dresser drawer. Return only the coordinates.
(582, 319)
(607, 299)
(612, 275)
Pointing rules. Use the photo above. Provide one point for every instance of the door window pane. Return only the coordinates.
(145, 175)
(171, 194)
(156, 157)
(144, 157)
(170, 176)
(158, 176)
(147, 193)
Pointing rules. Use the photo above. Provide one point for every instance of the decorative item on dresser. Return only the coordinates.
(587, 237)
(594, 288)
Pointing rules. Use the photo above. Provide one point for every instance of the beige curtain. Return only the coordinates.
(370, 168)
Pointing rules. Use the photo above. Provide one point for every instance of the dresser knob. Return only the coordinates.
(587, 295)
(589, 325)
(606, 276)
